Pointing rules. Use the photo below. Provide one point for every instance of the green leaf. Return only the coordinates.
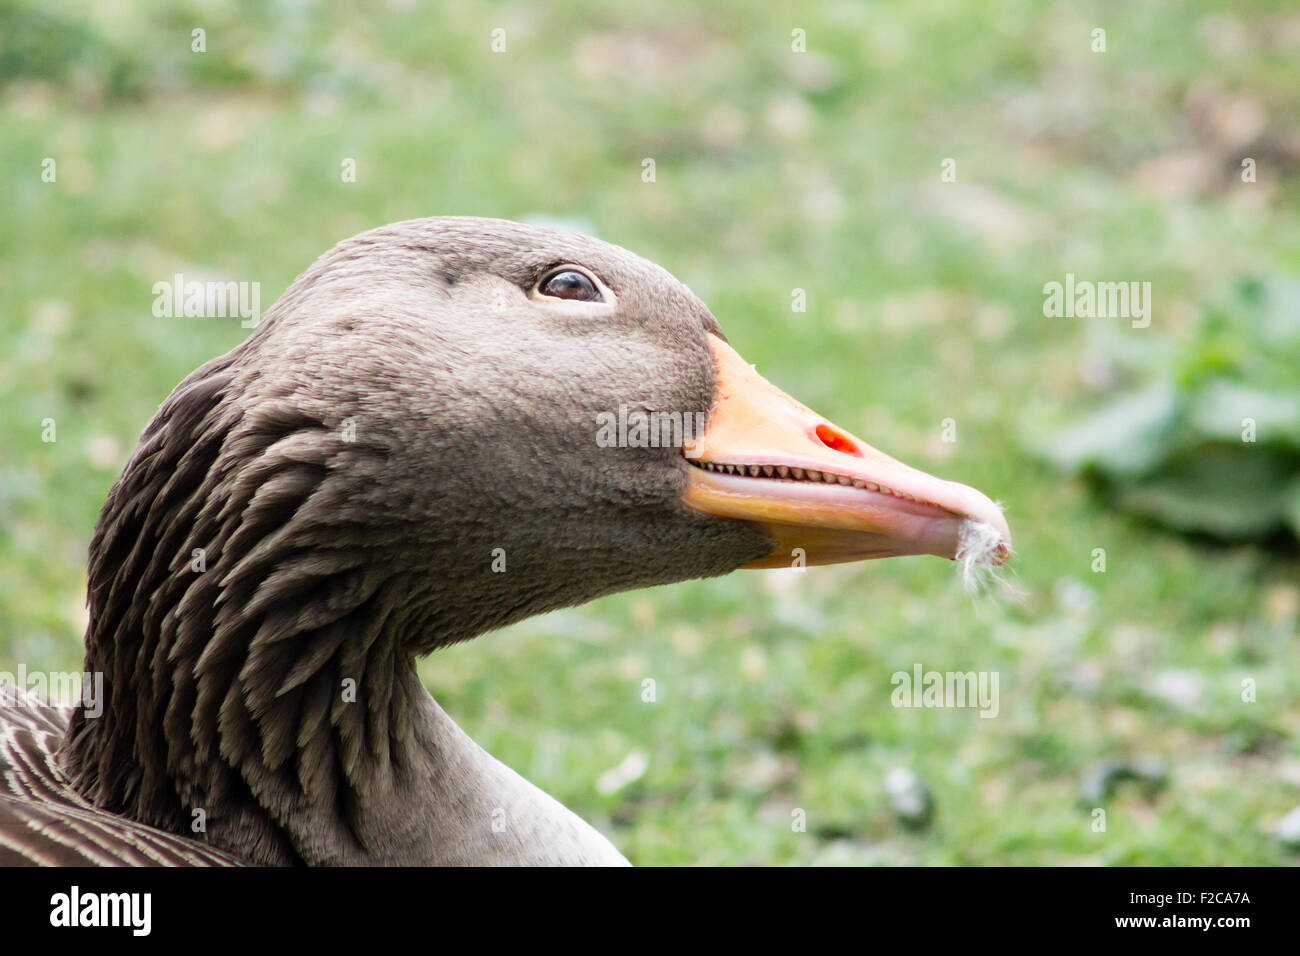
(1127, 436)
(1291, 506)
(1220, 490)
(1218, 410)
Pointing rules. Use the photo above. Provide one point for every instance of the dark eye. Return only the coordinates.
(569, 283)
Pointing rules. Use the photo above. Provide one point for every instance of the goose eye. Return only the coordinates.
(569, 283)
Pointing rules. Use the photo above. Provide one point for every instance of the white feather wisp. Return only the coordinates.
(977, 548)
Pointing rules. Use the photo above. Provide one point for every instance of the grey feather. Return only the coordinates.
(347, 472)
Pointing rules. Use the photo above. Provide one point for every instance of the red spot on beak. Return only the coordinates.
(836, 440)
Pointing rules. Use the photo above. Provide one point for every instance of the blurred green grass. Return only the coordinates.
(775, 171)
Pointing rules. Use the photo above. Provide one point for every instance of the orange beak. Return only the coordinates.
(811, 485)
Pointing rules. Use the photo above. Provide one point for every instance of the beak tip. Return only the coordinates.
(985, 534)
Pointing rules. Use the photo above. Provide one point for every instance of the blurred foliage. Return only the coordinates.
(1206, 438)
(36, 45)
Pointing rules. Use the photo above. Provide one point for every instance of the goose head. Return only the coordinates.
(443, 426)
(542, 418)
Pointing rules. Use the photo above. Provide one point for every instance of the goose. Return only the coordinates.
(406, 453)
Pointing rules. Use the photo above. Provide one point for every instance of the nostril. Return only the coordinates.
(834, 439)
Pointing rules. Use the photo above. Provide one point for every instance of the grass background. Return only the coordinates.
(775, 170)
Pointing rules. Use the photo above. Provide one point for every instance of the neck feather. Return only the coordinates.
(256, 636)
